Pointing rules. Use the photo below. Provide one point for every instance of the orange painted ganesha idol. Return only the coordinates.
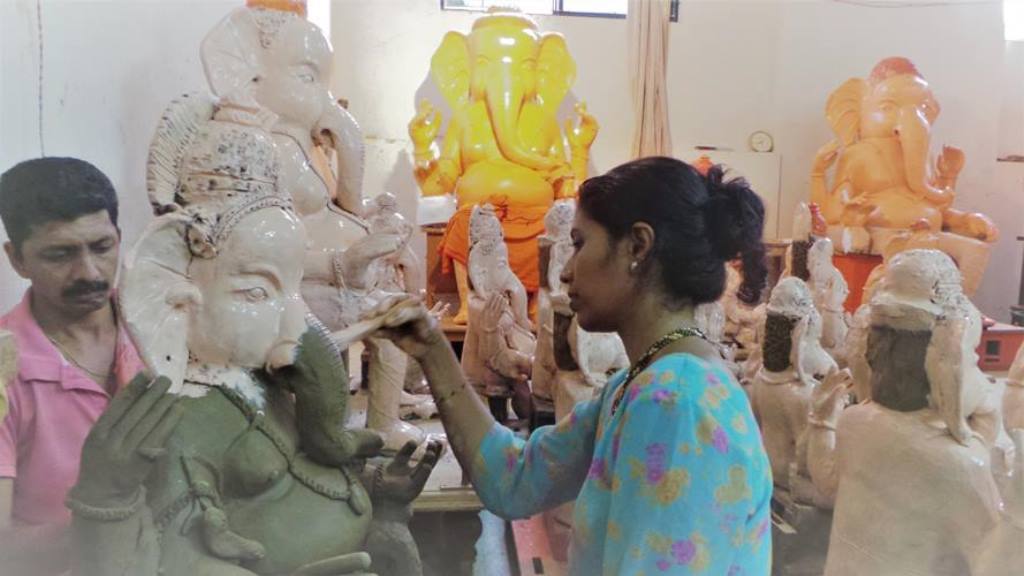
(504, 83)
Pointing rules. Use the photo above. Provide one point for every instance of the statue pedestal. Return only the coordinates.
(855, 268)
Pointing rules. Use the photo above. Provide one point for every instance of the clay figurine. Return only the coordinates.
(283, 62)
(556, 249)
(781, 391)
(211, 296)
(498, 352)
(918, 483)
(829, 290)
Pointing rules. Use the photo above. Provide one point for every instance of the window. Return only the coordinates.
(1013, 20)
(607, 8)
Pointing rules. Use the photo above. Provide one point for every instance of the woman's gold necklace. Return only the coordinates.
(99, 376)
(645, 359)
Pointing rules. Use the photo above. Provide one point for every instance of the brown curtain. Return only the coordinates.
(648, 56)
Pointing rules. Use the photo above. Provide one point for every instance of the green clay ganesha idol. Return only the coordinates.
(259, 474)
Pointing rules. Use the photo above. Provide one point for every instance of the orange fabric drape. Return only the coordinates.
(521, 226)
(648, 46)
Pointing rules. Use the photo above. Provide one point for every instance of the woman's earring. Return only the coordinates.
(633, 266)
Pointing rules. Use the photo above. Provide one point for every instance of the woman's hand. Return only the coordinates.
(408, 324)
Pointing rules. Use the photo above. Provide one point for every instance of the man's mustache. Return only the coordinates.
(85, 287)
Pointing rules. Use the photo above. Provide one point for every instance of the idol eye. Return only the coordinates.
(256, 294)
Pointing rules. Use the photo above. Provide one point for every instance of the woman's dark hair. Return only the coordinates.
(35, 192)
(700, 223)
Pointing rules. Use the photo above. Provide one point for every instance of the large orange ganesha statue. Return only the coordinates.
(885, 182)
(504, 83)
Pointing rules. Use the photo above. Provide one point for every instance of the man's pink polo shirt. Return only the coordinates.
(53, 404)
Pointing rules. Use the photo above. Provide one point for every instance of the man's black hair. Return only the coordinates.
(42, 190)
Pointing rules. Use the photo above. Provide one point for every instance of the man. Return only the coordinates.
(60, 215)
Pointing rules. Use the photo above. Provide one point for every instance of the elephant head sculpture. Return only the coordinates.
(507, 65)
(894, 101)
(213, 300)
(488, 256)
(557, 227)
(504, 83)
(283, 63)
(885, 178)
(213, 175)
(209, 270)
(220, 309)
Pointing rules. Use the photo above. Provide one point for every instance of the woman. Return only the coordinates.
(666, 466)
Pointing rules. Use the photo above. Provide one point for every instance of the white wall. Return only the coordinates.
(735, 67)
(109, 68)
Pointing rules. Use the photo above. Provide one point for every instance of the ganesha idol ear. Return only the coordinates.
(556, 71)
(450, 69)
(231, 53)
(157, 298)
(843, 109)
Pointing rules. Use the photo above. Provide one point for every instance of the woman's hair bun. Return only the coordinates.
(734, 215)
